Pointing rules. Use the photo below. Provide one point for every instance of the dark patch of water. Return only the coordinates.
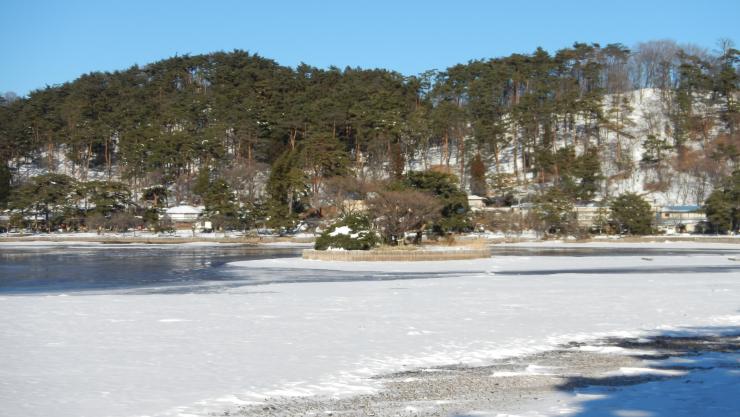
(182, 269)
(75, 268)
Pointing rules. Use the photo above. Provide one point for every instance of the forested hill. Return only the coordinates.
(536, 119)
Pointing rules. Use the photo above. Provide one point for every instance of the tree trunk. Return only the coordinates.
(515, 154)
(293, 135)
(446, 150)
(425, 154)
(495, 157)
(461, 157)
(87, 161)
(107, 158)
(50, 155)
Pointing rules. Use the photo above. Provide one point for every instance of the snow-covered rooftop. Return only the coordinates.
(683, 209)
(185, 209)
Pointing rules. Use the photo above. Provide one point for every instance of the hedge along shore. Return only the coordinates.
(395, 255)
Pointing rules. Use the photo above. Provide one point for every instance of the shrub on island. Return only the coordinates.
(352, 232)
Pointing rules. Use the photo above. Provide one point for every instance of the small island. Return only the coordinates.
(434, 253)
(396, 218)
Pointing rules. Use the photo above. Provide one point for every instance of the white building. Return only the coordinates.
(476, 202)
(184, 213)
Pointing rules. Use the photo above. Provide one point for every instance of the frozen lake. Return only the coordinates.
(90, 267)
(193, 268)
(184, 331)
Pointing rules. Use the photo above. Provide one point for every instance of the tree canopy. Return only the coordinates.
(216, 128)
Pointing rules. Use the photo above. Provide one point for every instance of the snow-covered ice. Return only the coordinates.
(725, 243)
(191, 354)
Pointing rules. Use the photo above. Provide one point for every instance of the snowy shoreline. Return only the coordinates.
(725, 243)
(598, 377)
(307, 240)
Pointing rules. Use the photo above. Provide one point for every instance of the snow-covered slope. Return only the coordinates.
(642, 113)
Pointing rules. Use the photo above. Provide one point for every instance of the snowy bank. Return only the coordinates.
(500, 264)
(657, 243)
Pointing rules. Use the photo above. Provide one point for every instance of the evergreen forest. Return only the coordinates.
(259, 143)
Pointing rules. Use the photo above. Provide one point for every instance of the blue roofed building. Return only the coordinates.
(680, 219)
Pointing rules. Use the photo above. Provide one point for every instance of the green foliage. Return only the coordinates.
(654, 149)
(398, 161)
(556, 212)
(50, 195)
(162, 122)
(723, 205)
(251, 214)
(285, 187)
(586, 173)
(455, 209)
(321, 157)
(5, 178)
(157, 195)
(601, 220)
(150, 217)
(632, 214)
(578, 176)
(726, 84)
(203, 110)
(478, 176)
(221, 206)
(105, 197)
(355, 234)
(219, 199)
(202, 183)
(719, 211)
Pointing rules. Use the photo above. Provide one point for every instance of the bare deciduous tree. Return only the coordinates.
(247, 178)
(397, 212)
(654, 63)
(122, 221)
(345, 193)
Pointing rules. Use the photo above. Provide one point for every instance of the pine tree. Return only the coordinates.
(5, 178)
(478, 176)
(556, 212)
(723, 205)
(632, 214)
(285, 188)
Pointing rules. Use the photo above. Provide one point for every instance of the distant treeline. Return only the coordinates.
(175, 115)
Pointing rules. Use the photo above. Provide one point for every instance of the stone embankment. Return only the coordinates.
(396, 255)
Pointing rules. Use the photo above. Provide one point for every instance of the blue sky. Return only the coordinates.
(50, 42)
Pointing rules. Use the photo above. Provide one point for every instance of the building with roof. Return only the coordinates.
(476, 202)
(184, 213)
(680, 219)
